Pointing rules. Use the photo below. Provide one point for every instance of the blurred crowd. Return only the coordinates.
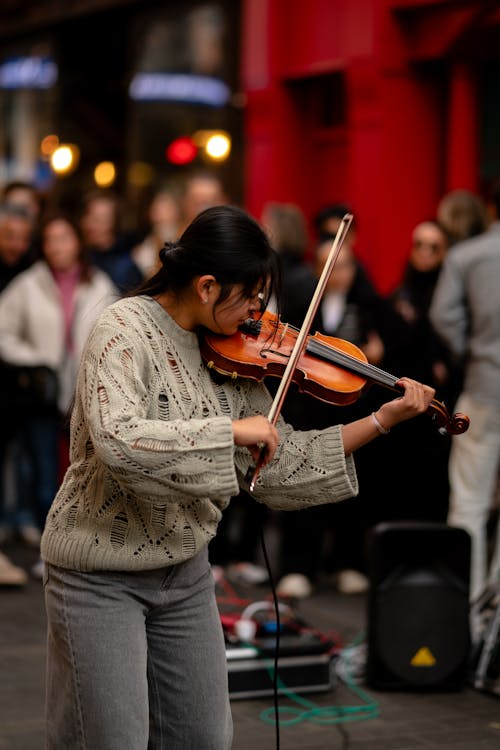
(440, 325)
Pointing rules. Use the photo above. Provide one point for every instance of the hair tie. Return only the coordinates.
(168, 247)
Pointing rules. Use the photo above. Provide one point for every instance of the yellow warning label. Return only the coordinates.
(423, 658)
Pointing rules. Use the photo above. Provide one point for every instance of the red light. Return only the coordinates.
(181, 151)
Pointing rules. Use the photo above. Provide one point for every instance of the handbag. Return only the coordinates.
(32, 389)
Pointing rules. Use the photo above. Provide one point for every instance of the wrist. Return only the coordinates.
(379, 426)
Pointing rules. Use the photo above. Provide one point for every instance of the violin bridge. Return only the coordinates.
(283, 334)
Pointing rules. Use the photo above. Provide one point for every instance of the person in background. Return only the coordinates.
(46, 313)
(462, 214)
(107, 244)
(16, 235)
(163, 217)
(327, 221)
(420, 349)
(332, 539)
(465, 311)
(159, 446)
(286, 226)
(26, 196)
(201, 189)
(417, 349)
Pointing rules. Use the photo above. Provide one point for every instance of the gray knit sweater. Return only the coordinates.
(153, 462)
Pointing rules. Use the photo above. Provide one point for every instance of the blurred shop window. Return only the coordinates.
(184, 75)
(189, 43)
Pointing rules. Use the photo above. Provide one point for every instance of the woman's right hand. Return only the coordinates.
(257, 433)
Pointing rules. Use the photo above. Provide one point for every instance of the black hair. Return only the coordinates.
(333, 211)
(225, 242)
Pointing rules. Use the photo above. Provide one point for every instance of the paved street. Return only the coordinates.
(463, 720)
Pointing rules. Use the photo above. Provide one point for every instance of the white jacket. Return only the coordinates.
(32, 322)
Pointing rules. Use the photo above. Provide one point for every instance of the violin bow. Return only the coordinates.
(301, 339)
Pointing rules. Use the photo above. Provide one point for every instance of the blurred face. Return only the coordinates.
(344, 269)
(202, 193)
(25, 199)
(98, 223)
(429, 247)
(15, 239)
(61, 245)
(164, 210)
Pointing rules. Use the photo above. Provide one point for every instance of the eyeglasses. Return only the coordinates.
(435, 247)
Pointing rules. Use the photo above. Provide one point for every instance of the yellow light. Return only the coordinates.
(216, 144)
(105, 174)
(64, 159)
(218, 147)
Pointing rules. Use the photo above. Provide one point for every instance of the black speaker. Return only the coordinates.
(418, 607)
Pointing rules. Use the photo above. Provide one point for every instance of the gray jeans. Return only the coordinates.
(136, 661)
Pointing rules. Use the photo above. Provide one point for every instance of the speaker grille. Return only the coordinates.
(418, 629)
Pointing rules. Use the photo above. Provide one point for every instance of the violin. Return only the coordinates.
(329, 368)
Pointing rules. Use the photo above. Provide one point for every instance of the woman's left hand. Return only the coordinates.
(414, 401)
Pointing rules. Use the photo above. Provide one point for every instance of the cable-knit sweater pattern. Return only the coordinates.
(152, 458)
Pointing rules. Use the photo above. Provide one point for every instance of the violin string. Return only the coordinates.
(357, 366)
(323, 350)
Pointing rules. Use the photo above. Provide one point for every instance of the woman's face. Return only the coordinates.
(229, 315)
(61, 245)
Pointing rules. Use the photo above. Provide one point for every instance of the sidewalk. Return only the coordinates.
(464, 720)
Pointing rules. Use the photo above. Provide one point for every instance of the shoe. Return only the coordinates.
(247, 572)
(30, 535)
(10, 574)
(38, 569)
(352, 582)
(295, 586)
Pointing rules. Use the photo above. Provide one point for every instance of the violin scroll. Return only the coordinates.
(448, 424)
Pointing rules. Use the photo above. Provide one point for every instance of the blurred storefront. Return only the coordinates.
(383, 104)
(122, 82)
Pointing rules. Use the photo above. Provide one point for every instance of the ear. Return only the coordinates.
(205, 286)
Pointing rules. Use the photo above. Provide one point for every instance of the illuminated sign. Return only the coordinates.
(179, 87)
(28, 73)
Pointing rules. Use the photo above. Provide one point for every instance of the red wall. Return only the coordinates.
(410, 129)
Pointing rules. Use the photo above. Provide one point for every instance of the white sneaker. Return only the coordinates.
(352, 582)
(247, 572)
(10, 574)
(295, 586)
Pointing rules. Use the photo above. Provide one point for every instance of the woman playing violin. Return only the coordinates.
(136, 654)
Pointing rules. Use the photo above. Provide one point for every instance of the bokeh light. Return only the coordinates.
(64, 159)
(181, 151)
(105, 174)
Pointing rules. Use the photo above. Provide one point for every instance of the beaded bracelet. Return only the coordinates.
(381, 430)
